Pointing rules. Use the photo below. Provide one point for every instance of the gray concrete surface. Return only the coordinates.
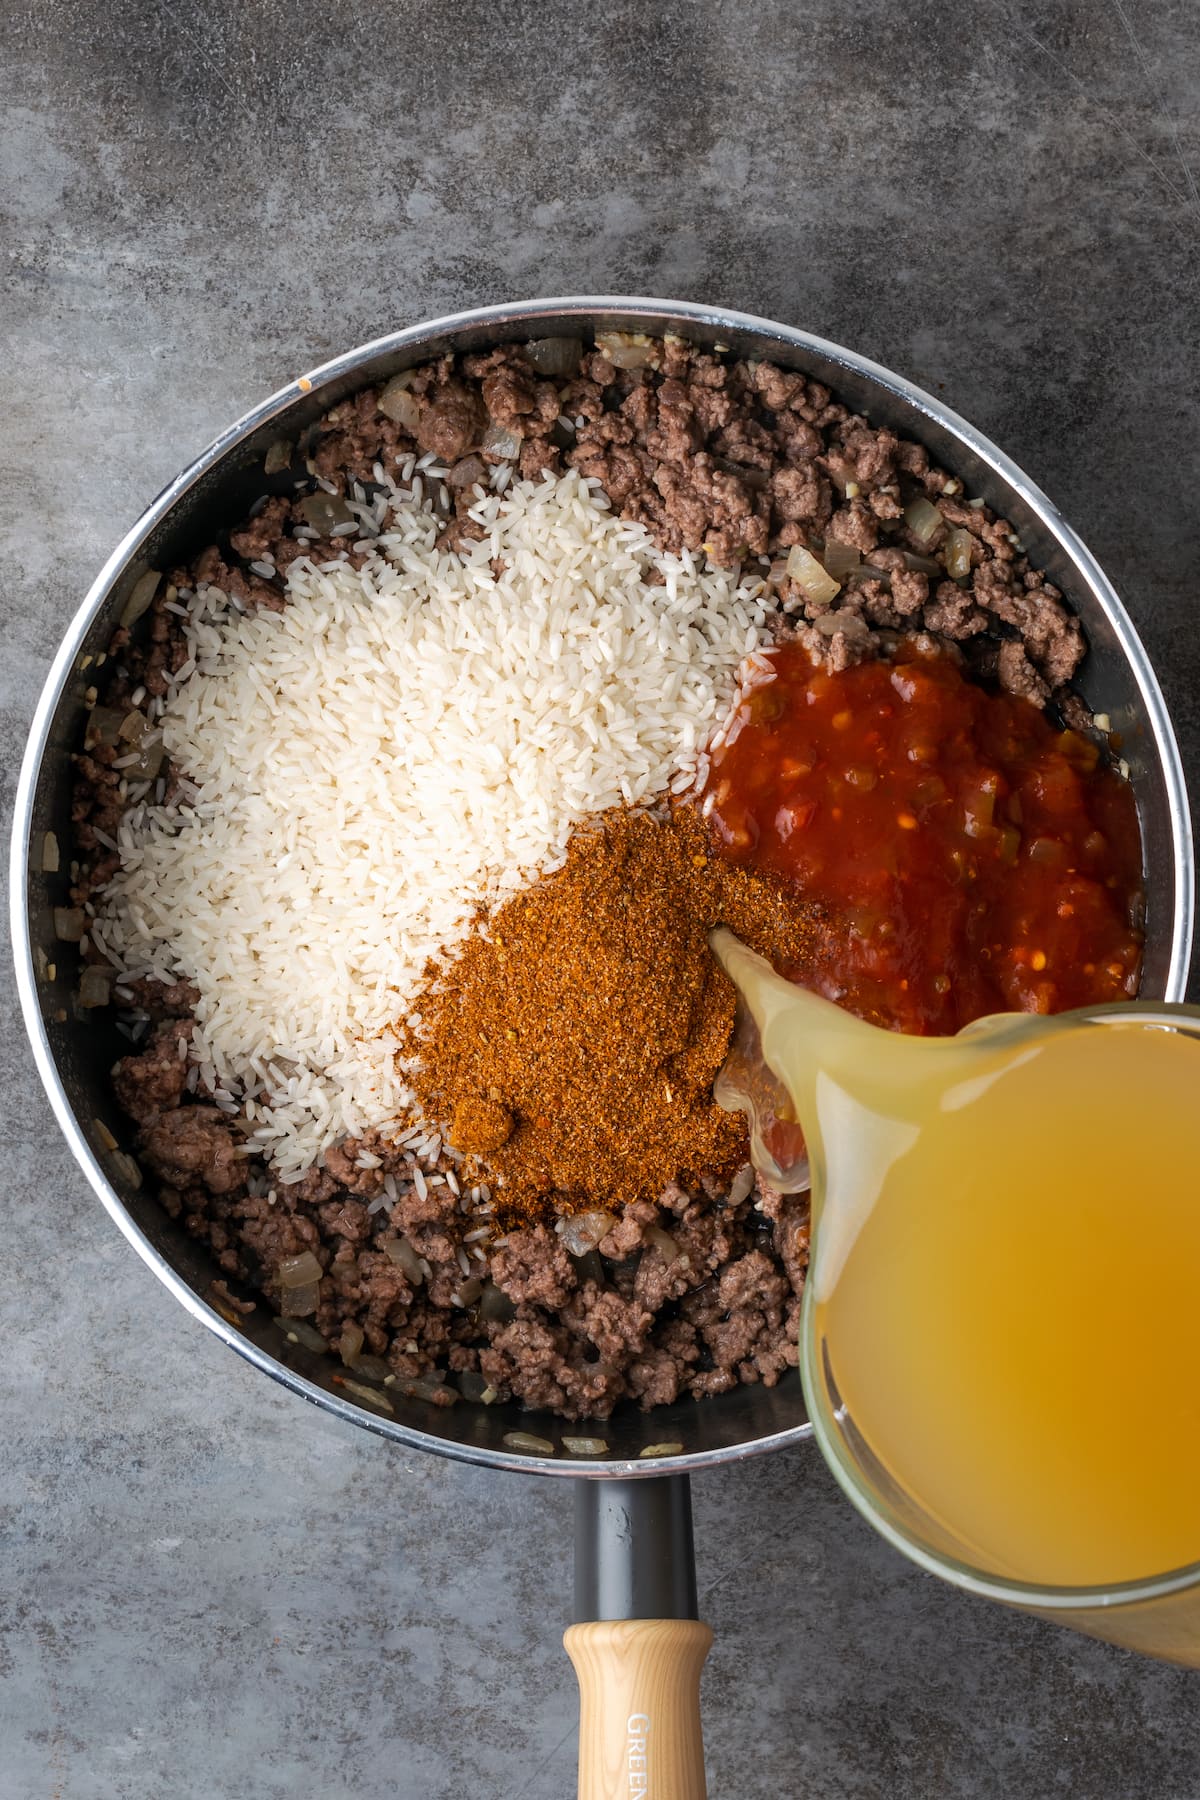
(208, 1592)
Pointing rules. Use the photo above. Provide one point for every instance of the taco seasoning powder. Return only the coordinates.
(572, 1041)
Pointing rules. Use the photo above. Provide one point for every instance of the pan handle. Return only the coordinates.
(637, 1647)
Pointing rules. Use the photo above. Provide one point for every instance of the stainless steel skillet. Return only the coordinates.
(634, 1558)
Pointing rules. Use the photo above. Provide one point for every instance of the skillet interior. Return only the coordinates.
(75, 1052)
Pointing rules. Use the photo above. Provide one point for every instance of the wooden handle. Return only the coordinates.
(639, 1708)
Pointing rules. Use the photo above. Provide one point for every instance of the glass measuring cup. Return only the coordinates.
(860, 1096)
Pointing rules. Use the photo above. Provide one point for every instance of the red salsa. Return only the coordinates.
(973, 857)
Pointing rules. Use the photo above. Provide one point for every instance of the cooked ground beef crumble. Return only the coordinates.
(700, 1291)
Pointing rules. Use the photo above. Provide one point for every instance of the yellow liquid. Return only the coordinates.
(1005, 1293)
(1015, 1327)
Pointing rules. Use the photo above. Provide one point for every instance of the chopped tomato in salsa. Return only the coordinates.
(973, 857)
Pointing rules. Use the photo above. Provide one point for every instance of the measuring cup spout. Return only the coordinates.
(784, 1037)
(810, 1076)
(800, 1032)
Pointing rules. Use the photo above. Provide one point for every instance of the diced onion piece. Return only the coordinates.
(396, 403)
(662, 1450)
(145, 743)
(851, 624)
(104, 726)
(70, 923)
(140, 596)
(812, 576)
(278, 457)
(474, 1387)
(581, 1232)
(921, 565)
(468, 472)
(469, 1291)
(401, 1252)
(95, 986)
(957, 552)
(430, 1387)
(350, 1343)
(151, 752)
(585, 1446)
(300, 1302)
(374, 1366)
(495, 1305)
(298, 1271)
(50, 858)
(325, 512)
(525, 1440)
(126, 1168)
(369, 1395)
(662, 1241)
(308, 1335)
(839, 559)
(626, 349)
(555, 355)
(923, 519)
(741, 1185)
(104, 1134)
(498, 441)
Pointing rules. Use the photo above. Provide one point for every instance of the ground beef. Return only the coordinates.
(97, 804)
(192, 1142)
(163, 1000)
(154, 1082)
(689, 1296)
(694, 1293)
(450, 421)
(533, 1269)
(730, 459)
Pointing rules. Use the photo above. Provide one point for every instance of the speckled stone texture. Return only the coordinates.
(209, 1592)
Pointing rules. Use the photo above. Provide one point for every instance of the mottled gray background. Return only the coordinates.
(207, 1591)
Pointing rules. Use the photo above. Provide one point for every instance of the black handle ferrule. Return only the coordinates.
(634, 1556)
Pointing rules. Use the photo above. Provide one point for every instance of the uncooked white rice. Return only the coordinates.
(403, 742)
